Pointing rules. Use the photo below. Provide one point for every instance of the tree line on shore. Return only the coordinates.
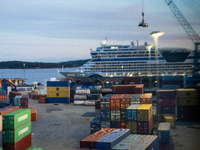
(33, 65)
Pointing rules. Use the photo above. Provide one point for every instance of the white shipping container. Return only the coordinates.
(79, 102)
(80, 97)
(82, 91)
(89, 102)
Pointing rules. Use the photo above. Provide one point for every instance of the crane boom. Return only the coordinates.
(188, 29)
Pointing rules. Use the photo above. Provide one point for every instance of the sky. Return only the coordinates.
(63, 30)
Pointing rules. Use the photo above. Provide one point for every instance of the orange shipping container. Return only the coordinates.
(126, 101)
(33, 114)
(146, 98)
(0, 84)
(115, 102)
(3, 98)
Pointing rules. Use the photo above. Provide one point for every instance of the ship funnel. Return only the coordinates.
(145, 43)
(132, 43)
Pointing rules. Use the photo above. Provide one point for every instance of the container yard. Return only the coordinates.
(89, 119)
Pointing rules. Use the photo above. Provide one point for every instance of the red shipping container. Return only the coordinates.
(134, 80)
(139, 89)
(144, 127)
(12, 94)
(146, 98)
(89, 142)
(166, 94)
(22, 144)
(123, 124)
(115, 102)
(25, 101)
(8, 109)
(126, 101)
(166, 102)
(42, 100)
(123, 89)
(98, 104)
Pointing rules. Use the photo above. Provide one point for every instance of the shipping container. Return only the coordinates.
(16, 118)
(80, 97)
(3, 98)
(170, 82)
(82, 91)
(123, 115)
(17, 101)
(165, 146)
(22, 144)
(13, 136)
(132, 125)
(89, 102)
(188, 101)
(167, 110)
(145, 127)
(166, 102)
(33, 114)
(135, 99)
(131, 112)
(58, 83)
(79, 102)
(60, 94)
(98, 104)
(127, 142)
(186, 93)
(171, 86)
(97, 112)
(58, 100)
(12, 94)
(146, 98)
(8, 109)
(115, 102)
(123, 89)
(58, 89)
(95, 125)
(105, 102)
(115, 124)
(123, 124)
(42, 100)
(171, 78)
(144, 112)
(188, 113)
(169, 119)
(133, 80)
(3, 92)
(94, 96)
(126, 101)
(105, 124)
(146, 142)
(25, 101)
(105, 115)
(166, 94)
(112, 139)
(164, 133)
(115, 115)
(139, 89)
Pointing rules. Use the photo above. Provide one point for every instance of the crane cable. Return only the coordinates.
(189, 4)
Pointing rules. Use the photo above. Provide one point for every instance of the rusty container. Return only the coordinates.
(115, 102)
(126, 101)
(146, 98)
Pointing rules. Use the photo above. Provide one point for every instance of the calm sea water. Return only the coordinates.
(32, 75)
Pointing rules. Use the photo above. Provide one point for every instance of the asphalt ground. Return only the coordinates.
(62, 126)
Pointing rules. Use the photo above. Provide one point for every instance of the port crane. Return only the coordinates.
(191, 33)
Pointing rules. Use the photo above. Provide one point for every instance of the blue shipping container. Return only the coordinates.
(116, 124)
(58, 100)
(3, 92)
(105, 124)
(112, 139)
(131, 112)
(4, 104)
(164, 130)
(95, 125)
(105, 115)
(5, 87)
(17, 101)
(146, 142)
(58, 83)
(123, 115)
(127, 142)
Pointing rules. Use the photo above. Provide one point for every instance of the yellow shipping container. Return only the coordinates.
(132, 125)
(58, 94)
(58, 89)
(170, 120)
(144, 112)
(192, 101)
(184, 93)
(168, 115)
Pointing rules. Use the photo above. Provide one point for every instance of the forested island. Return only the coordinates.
(34, 65)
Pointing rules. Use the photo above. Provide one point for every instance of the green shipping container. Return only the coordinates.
(12, 136)
(16, 118)
(38, 148)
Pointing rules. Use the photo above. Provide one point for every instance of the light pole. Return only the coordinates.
(149, 49)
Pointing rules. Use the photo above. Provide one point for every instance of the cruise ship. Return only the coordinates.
(131, 60)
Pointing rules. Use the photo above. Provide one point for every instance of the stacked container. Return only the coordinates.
(95, 125)
(12, 96)
(58, 92)
(128, 89)
(188, 104)
(133, 80)
(81, 96)
(166, 101)
(3, 96)
(164, 130)
(5, 87)
(171, 82)
(97, 107)
(17, 130)
(91, 98)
